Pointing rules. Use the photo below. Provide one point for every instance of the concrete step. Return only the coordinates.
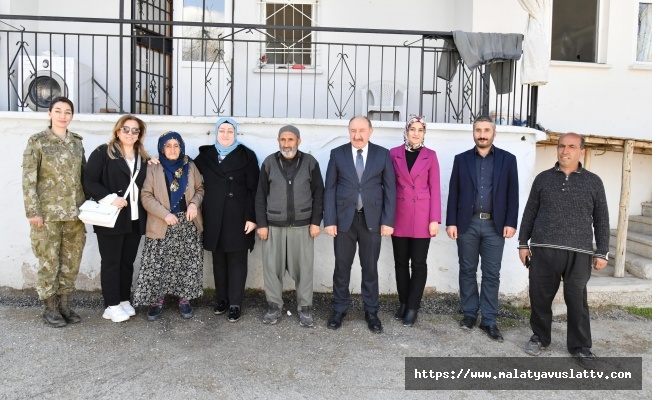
(637, 243)
(640, 267)
(647, 209)
(640, 224)
(603, 289)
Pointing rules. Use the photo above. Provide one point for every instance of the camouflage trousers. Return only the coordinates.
(58, 245)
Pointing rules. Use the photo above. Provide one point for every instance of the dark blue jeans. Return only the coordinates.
(480, 241)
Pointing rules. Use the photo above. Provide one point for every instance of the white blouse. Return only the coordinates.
(133, 195)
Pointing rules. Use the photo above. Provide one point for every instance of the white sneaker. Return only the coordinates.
(128, 308)
(115, 314)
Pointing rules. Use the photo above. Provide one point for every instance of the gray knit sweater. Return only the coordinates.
(564, 212)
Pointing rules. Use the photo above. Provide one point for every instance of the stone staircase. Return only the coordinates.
(638, 255)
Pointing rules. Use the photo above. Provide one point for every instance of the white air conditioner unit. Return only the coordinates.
(42, 78)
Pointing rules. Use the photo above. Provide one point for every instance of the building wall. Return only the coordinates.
(609, 99)
(605, 98)
(318, 138)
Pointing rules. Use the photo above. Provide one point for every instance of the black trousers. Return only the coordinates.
(550, 266)
(230, 273)
(369, 250)
(410, 287)
(118, 253)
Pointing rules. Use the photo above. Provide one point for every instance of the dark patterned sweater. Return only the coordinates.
(564, 212)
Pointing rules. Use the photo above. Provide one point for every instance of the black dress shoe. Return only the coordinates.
(410, 317)
(493, 332)
(585, 359)
(335, 320)
(234, 313)
(400, 313)
(221, 307)
(373, 322)
(467, 323)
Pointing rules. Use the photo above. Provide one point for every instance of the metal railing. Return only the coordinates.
(109, 65)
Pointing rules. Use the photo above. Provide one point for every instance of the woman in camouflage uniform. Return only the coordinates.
(53, 162)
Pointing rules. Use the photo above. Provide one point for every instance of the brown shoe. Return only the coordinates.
(67, 313)
(51, 314)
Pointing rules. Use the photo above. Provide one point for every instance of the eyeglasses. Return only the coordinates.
(127, 130)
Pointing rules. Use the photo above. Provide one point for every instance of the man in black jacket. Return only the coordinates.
(566, 208)
(289, 204)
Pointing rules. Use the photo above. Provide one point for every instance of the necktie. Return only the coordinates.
(359, 168)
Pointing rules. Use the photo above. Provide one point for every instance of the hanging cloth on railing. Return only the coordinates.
(500, 50)
(536, 53)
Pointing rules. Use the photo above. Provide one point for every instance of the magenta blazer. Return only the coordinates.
(418, 195)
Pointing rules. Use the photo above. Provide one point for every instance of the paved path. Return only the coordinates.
(207, 357)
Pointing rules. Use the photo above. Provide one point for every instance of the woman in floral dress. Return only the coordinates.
(173, 256)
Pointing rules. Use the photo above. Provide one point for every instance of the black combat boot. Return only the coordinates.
(67, 313)
(51, 315)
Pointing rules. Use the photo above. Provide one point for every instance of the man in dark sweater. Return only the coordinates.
(289, 209)
(566, 208)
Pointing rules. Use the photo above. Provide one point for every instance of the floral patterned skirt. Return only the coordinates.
(173, 265)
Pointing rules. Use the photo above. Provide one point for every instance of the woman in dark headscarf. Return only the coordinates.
(230, 172)
(173, 257)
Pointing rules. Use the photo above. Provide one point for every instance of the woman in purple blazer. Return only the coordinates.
(418, 213)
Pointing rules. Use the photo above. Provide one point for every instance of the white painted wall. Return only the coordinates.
(318, 138)
(501, 16)
(610, 99)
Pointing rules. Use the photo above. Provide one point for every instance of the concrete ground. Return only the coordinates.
(208, 357)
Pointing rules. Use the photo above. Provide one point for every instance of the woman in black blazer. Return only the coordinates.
(107, 176)
(230, 172)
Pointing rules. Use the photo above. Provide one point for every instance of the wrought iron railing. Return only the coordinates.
(109, 65)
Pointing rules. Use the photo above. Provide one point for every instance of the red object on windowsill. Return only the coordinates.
(298, 66)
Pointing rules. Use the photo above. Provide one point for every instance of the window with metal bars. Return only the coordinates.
(289, 46)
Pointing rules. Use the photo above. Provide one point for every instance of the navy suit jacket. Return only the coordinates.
(342, 187)
(463, 188)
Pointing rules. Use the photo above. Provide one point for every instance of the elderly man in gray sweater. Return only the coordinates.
(289, 209)
(566, 208)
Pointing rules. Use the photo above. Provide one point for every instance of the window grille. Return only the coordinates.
(285, 46)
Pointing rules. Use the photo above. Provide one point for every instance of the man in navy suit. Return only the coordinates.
(482, 211)
(359, 206)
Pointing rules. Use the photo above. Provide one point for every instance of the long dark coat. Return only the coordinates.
(104, 175)
(229, 197)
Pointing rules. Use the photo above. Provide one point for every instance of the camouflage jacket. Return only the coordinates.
(52, 176)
